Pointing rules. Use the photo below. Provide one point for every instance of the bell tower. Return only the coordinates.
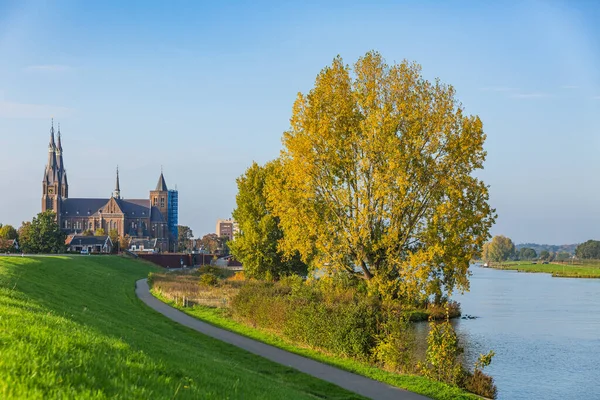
(51, 185)
(159, 197)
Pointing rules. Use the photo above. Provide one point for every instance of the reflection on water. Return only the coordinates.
(545, 332)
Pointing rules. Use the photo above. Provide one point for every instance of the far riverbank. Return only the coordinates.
(580, 269)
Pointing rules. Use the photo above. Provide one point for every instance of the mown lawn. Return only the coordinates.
(586, 269)
(72, 327)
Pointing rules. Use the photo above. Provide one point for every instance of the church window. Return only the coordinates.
(162, 202)
(154, 201)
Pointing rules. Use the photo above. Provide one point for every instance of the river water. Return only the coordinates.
(545, 332)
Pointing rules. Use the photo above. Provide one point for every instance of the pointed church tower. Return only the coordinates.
(62, 172)
(159, 196)
(51, 182)
(117, 192)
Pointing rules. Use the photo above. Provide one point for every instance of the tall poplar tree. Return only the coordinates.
(377, 179)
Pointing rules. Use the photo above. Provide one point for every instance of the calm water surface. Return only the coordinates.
(545, 332)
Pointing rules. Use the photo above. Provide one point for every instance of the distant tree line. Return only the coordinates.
(502, 248)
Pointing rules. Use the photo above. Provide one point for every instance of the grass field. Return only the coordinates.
(582, 269)
(72, 327)
(417, 384)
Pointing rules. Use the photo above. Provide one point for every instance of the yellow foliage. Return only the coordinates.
(376, 179)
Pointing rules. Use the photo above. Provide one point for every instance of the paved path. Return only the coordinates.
(347, 380)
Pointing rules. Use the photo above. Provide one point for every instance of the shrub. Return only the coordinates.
(297, 310)
(478, 382)
(262, 304)
(237, 276)
(208, 279)
(443, 350)
(396, 342)
(211, 269)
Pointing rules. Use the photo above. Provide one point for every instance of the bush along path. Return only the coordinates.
(347, 380)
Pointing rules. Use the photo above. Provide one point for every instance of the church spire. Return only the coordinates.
(59, 157)
(117, 192)
(52, 145)
(51, 171)
(161, 185)
(59, 147)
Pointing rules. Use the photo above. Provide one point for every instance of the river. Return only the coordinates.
(545, 332)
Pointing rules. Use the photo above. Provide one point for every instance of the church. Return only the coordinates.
(141, 219)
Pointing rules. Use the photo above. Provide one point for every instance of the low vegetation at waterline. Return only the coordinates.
(333, 319)
(72, 327)
(576, 269)
(200, 287)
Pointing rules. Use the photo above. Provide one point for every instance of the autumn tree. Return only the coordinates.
(256, 246)
(8, 232)
(42, 234)
(376, 179)
(210, 242)
(124, 242)
(100, 232)
(184, 236)
(500, 248)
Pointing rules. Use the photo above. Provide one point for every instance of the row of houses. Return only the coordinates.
(103, 244)
(90, 244)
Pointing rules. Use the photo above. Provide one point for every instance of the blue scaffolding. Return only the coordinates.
(173, 212)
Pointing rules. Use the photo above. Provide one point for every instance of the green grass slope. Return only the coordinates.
(72, 327)
(591, 269)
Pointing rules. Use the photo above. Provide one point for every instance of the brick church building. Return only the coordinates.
(151, 218)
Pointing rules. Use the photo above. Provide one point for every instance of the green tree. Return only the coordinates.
(88, 232)
(499, 249)
(124, 242)
(377, 179)
(42, 235)
(113, 234)
(588, 250)
(256, 246)
(8, 232)
(100, 232)
(185, 235)
(545, 255)
(562, 256)
(527, 253)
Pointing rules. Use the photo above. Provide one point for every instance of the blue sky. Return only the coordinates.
(204, 89)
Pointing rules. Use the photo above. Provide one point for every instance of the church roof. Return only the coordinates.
(74, 207)
(86, 240)
(135, 208)
(161, 185)
(156, 215)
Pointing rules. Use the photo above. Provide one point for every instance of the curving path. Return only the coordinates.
(347, 380)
